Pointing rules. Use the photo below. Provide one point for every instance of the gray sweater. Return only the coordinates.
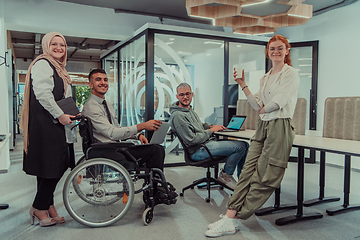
(187, 124)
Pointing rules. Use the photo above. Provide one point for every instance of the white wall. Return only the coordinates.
(4, 96)
(208, 81)
(338, 34)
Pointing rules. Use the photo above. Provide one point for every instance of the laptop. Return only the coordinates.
(159, 135)
(235, 124)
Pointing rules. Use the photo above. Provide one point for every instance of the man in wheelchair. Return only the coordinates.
(105, 129)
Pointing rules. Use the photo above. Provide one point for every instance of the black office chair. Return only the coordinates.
(211, 162)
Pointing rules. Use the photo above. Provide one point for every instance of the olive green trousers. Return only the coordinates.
(264, 166)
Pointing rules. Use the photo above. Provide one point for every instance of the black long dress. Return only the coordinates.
(48, 153)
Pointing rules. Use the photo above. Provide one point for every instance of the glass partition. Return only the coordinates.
(203, 61)
(110, 64)
(196, 61)
(251, 58)
(132, 83)
(301, 59)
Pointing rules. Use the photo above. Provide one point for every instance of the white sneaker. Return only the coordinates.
(212, 225)
(225, 226)
(227, 179)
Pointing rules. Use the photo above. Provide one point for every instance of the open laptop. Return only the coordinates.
(159, 135)
(235, 123)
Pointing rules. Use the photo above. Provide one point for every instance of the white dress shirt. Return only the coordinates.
(104, 131)
(280, 88)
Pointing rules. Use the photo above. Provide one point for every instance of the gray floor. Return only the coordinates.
(188, 218)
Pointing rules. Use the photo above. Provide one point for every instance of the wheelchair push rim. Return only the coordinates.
(98, 192)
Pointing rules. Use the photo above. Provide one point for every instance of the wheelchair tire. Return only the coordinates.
(148, 216)
(93, 198)
(80, 161)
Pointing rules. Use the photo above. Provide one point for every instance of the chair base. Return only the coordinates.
(210, 181)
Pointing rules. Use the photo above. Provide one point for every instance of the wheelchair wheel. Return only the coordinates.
(95, 198)
(81, 160)
(147, 216)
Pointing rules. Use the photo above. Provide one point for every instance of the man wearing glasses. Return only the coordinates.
(186, 123)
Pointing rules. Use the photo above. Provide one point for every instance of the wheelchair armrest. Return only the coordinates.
(120, 147)
(113, 145)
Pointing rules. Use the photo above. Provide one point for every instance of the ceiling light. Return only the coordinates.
(305, 59)
(305, 65)
(184, 53)
(209, 42)
(294, 15)
(168, 43)
(251, 4)
(208, 54)
(213, 20)
(238, 45)
(171, 39)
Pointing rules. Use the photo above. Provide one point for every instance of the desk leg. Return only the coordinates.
(321, 198)
(345, 207)
(299, 216)
(276, 208)
(4, 206)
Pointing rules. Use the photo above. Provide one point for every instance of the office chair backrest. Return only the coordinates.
(186, 148)
(342, 118)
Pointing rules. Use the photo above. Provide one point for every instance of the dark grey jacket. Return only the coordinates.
(187, 124)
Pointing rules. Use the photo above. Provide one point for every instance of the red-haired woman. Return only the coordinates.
(270, 147)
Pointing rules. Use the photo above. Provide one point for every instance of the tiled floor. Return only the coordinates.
(188, 218)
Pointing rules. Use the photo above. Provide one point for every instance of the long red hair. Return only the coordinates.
(283, 39)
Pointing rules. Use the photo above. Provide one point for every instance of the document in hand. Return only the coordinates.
(68, 106)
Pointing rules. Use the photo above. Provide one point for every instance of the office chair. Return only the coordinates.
(211, 162)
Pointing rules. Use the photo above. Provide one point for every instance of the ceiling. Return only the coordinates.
(28, 45)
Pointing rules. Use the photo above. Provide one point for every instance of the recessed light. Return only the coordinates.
(210, 42)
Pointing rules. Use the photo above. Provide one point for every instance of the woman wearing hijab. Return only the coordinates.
(46, 129)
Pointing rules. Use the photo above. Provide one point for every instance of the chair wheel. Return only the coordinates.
(147, 216)
(207, 200)
(181, 194)
(221, 188)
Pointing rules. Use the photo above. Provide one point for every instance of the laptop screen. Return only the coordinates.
(236, 122)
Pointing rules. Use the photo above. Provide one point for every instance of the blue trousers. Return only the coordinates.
(236, 150)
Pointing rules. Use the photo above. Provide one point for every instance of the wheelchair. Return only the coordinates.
(99, 191)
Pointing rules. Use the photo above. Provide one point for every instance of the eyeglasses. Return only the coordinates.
(58, 44)
(185, 94)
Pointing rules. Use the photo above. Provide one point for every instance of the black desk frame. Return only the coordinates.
(300, 216)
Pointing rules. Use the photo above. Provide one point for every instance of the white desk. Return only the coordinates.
(339, 146)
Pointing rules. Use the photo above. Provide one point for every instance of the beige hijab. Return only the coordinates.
(59, 65)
